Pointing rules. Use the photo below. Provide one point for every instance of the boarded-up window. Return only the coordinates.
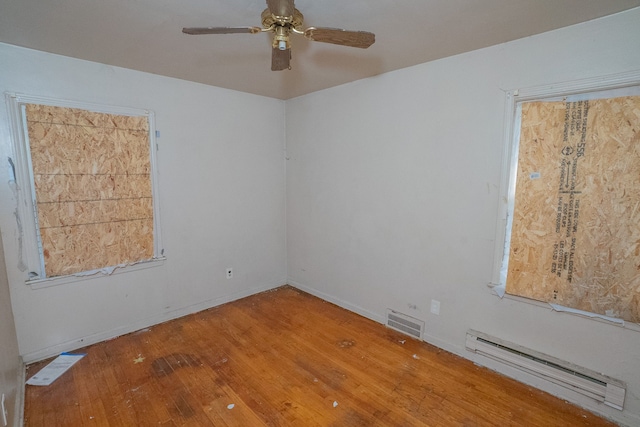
(575, 233)
(92, 188)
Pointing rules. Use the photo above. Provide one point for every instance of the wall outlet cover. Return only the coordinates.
(435, 306)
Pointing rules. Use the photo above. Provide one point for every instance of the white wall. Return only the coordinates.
(393, 195)
(221, 194)
(10, 362)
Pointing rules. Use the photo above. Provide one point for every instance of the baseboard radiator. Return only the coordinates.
(607, 390)
(405, 324)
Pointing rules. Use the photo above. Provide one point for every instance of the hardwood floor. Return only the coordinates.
(284, 358)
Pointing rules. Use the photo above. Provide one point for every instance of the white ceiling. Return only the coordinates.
(146, 35)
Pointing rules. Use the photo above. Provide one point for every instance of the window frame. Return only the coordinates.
(31, 260)
(576, 90)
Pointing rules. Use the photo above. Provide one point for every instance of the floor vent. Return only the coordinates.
(596, 386)
(405, 324)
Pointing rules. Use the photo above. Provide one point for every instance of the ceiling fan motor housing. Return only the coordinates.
(281, 26)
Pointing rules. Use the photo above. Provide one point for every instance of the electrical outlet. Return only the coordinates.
(4, 412)
(435, 306)
(229, 273)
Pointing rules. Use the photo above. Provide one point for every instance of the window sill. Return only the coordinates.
(585, 315)
(93, 274)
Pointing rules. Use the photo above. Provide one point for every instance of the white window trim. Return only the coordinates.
(31, 259)
(514, 98)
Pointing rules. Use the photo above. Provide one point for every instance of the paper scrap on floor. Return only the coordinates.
(53, 370)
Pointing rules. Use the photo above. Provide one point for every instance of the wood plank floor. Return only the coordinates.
(284, 358)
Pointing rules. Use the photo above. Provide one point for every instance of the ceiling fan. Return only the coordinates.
(282, 18)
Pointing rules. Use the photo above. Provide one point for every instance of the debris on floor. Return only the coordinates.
(55, 369)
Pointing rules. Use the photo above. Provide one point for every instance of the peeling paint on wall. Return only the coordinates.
(15, 189)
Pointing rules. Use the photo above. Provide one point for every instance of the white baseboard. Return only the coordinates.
(380, 318)
(143, 323)
(18, 410)
(457, 350)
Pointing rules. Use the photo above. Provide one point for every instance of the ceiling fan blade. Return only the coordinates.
(361, 39)
(221, 30)
(280, 59)
(281, 7)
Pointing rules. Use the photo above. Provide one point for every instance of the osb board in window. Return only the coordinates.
(93, 188)
(90, 246)
(575, 239)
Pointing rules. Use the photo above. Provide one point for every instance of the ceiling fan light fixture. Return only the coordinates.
(281, 38)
